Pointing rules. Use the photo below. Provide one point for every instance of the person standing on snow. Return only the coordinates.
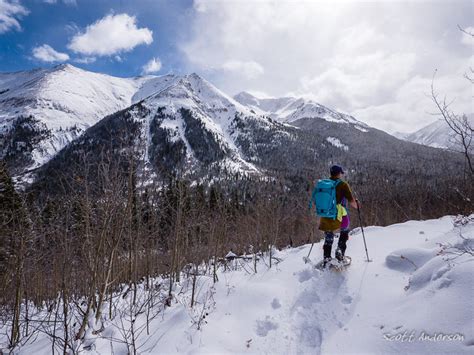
(342, 222)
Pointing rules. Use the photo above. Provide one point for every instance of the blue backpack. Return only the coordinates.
(324, 198)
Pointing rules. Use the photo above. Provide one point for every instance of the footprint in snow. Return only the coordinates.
(264, 326)
(445, 282)
(311, 335)
(304, 275)
(276, 303)
(347, 299)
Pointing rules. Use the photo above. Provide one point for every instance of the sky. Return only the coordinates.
(375, 60)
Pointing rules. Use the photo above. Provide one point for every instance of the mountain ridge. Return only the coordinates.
(62, 102)
(290, 109)
(438, 134)
(182, 123)
(44, 110)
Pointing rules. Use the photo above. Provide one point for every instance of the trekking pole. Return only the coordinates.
(306, 259)
(362, 229)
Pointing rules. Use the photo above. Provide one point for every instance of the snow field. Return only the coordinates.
(415, 297)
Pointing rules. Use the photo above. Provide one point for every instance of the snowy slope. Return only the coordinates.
(63, 96)
(211, 107)
(437, 134)
(64, 101)
(43, 110)
(182, 125)
(190, 112)
(290, 109)
(417, 289)
(296, 309)
(400, 135)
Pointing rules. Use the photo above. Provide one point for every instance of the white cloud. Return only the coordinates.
(250, 69)
(355, 56)
(412, 106)
(353, 82)
(111, 35)
(67, 2)
(85, 60)
(11, 11)
(152, 66)
(46, 53)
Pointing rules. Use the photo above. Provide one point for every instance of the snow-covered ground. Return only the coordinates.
(415, 297)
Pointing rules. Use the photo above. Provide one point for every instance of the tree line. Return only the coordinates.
(112, 222)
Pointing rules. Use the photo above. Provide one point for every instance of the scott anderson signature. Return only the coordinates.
(413, 336)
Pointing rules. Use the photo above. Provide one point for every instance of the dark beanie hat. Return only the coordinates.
(336, 169)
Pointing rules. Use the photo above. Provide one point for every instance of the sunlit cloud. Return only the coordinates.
(46, 53)
(111, 35)
(374, 60)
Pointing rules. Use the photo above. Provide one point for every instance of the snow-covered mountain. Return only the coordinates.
(63, 96)
(437, 134)
(198, 120)
(178, 123)
(290, 109)
(183, 124)
(43, 110)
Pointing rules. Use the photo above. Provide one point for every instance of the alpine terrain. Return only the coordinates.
(438, 134)
(181, 123)
(158, 214)
(42, 110)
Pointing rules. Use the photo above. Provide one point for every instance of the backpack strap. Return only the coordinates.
(338, 181)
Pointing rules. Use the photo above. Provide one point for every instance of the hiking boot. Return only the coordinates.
(339, 255)
(327, 261)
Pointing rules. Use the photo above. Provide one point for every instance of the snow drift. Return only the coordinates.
(414, 297)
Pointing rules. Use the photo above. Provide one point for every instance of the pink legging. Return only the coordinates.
(345, 223)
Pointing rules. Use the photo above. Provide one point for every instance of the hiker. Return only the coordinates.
(339, 218)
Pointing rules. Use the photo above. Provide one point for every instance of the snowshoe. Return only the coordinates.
(326, 262)
(334, 264)
(323, 264)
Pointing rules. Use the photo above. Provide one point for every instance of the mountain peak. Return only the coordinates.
(193, 91)
(194, 76)
(65, 67)
(197, 81)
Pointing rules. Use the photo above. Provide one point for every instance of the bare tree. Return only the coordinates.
(459, 125)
